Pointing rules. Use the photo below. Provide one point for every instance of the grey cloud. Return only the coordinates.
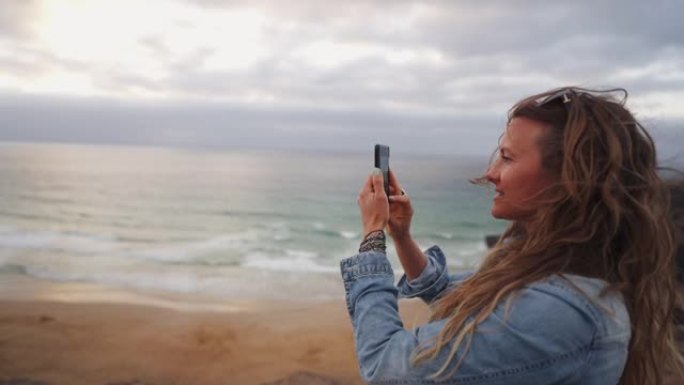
(476, 27)
(558, 43)
(570, 41)
(669, 137)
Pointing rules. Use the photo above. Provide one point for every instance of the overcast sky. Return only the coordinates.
(433, 76)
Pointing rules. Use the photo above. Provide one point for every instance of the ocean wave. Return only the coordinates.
(471, 248)
(221, 250)
(322, 229)
(79, 243)
(213, 251)
(140, 240)
(33, 217)
(455, 236)
(45, 199)
(461, 254)
(108, 270)
(349, 234)
(294, 261)
(223, 281)
(136, 276)
(13, 268)
(252, 213)
(471, 225)
(282, 237)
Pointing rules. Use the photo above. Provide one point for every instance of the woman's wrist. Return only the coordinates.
(411, 257)
(374, 241)
(399, 238)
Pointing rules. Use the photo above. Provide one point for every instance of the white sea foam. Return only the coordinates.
(301, 254)
(78, 243)
(468, 249)
(295, 261)
(116, 274)
(73, 243)
(189, 251)
(21, 240)
(349, 234)
(146, 275)
(318, 225)
(456, 263)
(321, 228)
(281, 236)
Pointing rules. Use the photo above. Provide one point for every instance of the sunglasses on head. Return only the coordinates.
(563, 96)
(566, 96)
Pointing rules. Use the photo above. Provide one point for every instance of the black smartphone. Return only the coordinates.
(382, 162)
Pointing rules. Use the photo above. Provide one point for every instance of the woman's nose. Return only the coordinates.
(491, 174)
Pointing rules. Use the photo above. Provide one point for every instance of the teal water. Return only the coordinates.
(238, 222)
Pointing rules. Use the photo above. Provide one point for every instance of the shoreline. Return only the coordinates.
(23, 287)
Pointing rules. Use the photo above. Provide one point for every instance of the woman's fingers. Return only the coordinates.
(367, 186)
(373, 203)
(378, 184)
(395, 188)
(399, 199)
(374, 183)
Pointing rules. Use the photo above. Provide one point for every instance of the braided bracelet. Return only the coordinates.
(375, 241)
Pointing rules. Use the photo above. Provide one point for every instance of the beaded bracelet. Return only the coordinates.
(375, 241)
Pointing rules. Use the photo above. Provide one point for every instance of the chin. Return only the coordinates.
(496, 212)
(501, 213)
(499, 216)
(510, 214)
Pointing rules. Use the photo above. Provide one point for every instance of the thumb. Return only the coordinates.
(399, 199)
(378, 185)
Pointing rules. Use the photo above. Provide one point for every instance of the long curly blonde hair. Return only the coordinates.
(607, 217)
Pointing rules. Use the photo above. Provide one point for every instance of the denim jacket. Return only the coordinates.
(557, 331)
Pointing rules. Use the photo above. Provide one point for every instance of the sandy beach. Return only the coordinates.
(117, 337)
(77, 334)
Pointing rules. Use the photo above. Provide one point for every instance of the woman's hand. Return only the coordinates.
(401, 211)
(373, 204)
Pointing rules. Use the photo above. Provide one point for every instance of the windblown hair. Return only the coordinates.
(606, 217)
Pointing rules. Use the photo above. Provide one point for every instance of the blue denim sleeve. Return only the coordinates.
(527, 346)
(371, 299)
(434, 279)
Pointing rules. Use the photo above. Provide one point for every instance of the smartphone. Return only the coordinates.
(382, 162)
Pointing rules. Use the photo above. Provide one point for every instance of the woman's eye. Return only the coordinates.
(506, 158)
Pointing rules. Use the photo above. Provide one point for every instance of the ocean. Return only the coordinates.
(228, 223)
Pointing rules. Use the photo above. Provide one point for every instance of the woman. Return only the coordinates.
(578, 290)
